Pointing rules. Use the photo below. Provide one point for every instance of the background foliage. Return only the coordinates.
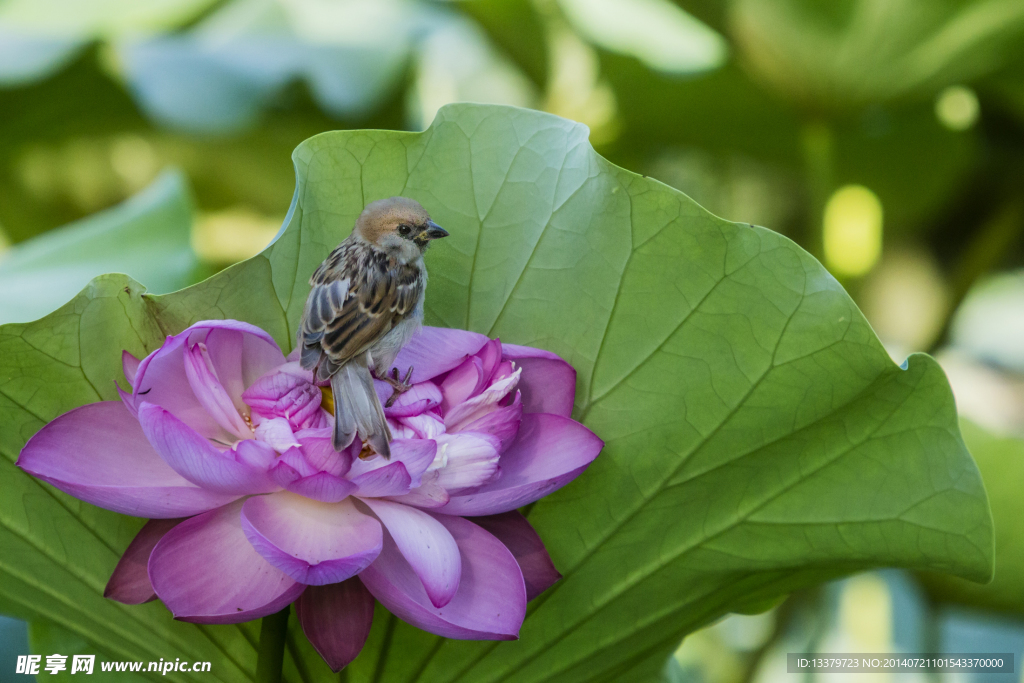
(755, 366)
(764, 112)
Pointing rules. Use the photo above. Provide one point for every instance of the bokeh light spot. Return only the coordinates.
(957, 107)
(233, 234)
(865, 613)
(134, 160)
(852, 230)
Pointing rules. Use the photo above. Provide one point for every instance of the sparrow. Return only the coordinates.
(365, 303)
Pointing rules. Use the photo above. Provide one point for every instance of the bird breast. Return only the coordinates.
(385, 350)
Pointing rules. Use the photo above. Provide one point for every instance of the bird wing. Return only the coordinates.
(358, 294)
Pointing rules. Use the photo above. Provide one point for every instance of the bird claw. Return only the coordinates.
(400, 386)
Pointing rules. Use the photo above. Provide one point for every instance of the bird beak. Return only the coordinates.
(435, 231)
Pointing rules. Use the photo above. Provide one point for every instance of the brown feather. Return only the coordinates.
(380, 293)
(371, 283)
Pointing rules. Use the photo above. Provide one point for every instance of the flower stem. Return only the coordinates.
(270, 655)
(382, 657)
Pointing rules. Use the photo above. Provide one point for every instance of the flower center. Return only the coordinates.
(327, 399)
(366, 451)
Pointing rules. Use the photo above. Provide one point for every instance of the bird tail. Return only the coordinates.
(357, 409)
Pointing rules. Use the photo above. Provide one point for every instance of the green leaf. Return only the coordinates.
(711, 12)
(514, 25)
(657, 32)
(147, 237)
(1007, 89)
(41, 36)
(1001, 461)
(46, 639)
(900, 151)
(92, 18)
(350, 68)
(830, 55)
(759, 439)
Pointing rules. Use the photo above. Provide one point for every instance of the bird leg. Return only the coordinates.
(400, 386)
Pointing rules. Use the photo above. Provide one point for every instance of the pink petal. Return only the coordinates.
(241, 370)
(461, 383)
(418, 399)
(98, 453)
(490, 358)
(428, 494)
(548, 453)
(323, 486)
(436, 350)
(296, 457)
(129, 583)
(505, 369)
(284, 475)
(161, 380)
(517, 352)
(211, 393)
(481, 404)
(501, 423)
(336, 620)
(319, 450)
(288, 391)
(127, 399)
(426, 426)
(390, 480)
(277, 433)
(415, 454)
(225, 350)
(310, 416)
(512, 529)
(490, 603)
(130, 365)
(207, 572)
(426, 545)
(469, 460)
(196, 459)
(401, 431)
(255, 454)
(266, 392)
(240, 352)
(314, 543)
(291, 466)
(548, 382)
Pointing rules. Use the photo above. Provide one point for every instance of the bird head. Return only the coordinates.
(398, 225)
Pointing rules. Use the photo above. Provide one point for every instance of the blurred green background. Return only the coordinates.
(886, 137)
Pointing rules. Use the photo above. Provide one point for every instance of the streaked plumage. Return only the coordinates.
(365, 303)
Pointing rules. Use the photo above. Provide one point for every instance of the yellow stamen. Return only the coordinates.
(327, 399)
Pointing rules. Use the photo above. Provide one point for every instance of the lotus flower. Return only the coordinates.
(226, 446)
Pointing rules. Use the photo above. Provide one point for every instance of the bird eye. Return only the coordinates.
(404, 229)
